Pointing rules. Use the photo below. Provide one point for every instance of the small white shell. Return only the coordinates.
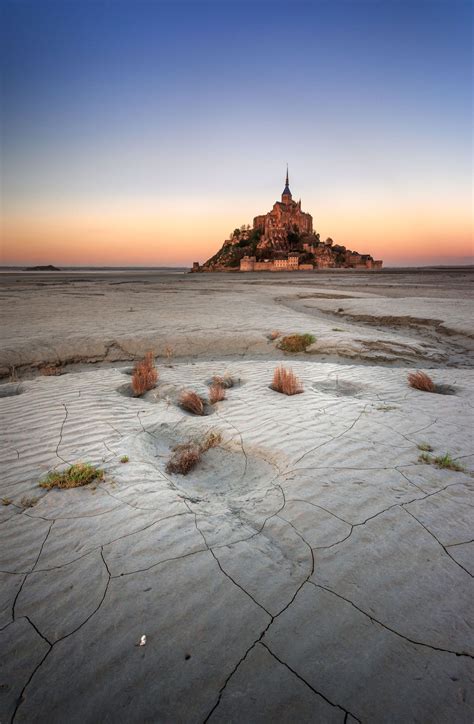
(142, 640)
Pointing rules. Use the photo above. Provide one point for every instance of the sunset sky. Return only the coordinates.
(143, 132)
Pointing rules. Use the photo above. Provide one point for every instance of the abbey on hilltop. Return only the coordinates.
(283, 240)
(285, 217)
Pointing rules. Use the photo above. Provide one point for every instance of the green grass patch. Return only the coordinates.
(296, 342)
(75, 476)
(447, 462)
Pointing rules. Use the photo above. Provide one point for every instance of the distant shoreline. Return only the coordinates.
(180, 269)
(23, 268)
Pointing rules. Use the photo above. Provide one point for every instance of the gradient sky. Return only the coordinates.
(143, 132)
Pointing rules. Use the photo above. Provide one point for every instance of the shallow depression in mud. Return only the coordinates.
(127, 391)
(445, 390)
(340, 388)
(224, 473)
(10, 389)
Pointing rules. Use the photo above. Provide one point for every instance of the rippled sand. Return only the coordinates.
(311, 568)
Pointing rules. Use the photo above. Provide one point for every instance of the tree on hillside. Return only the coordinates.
(294, 240)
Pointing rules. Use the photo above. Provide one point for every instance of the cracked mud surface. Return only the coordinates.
(310, 569)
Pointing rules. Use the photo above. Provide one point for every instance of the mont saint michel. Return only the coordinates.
(284, 240)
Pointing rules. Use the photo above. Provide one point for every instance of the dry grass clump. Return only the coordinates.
(226, 381)
(425, 447)
(421, 381)
(212, 439)
(27, 502)
(75, 476)
(216, 393)
(144, 375)
(296, 342)
(12, 375)
(191, 402)
(169, 352)
(50, 371)
(425, 458)
(185, 457)
(286, 382)
(7, 501)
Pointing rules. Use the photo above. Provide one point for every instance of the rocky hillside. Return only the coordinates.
(311, 250)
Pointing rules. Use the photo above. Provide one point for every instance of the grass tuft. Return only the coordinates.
(144, 375)
(441, 461)
(26, 502)
(75, 476)
(169, 352)
(286, 382)
(447, 462)
(185, 457)
(212, 439)
(216, 393)
(124, 459)
(51, 370)
(421, 381)
(7, 501)
(425, 447)
(425, 458)
(191, 402)
(296, 342)
(12, 376)
(226, 381)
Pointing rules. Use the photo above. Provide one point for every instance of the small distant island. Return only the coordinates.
(46, 267)
(283, 240)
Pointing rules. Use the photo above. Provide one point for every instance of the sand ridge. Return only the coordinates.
(65, 318)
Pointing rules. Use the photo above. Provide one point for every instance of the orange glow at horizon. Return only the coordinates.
(172, 233)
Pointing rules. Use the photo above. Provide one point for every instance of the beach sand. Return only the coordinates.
(310, 568)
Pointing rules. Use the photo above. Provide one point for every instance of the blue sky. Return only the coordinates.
(153, 107)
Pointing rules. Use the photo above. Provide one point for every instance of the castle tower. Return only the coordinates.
(286, 195)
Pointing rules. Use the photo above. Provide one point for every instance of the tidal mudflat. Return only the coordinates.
(314, 566)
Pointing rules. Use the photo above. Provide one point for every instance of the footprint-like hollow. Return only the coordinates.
(445, 389)
(165, 392)
(231, 483)
(340, 388)
(226, 471)
(10, 389)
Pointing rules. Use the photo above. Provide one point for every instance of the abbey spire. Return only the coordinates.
(286, 195)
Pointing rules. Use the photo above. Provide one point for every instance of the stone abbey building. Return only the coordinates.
(285, 217)
(283, 240)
